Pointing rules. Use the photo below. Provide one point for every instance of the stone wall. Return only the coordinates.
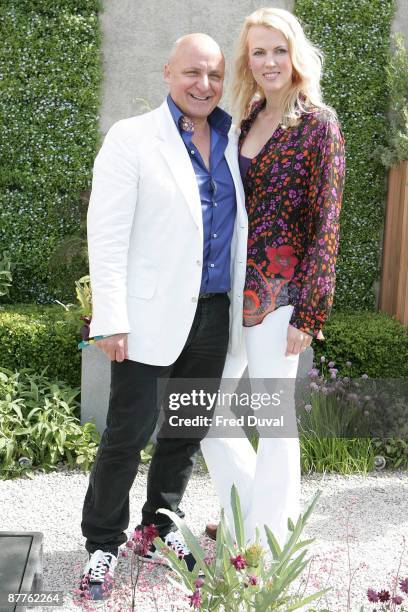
(137, 37)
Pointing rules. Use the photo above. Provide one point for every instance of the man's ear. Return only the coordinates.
(166, 73)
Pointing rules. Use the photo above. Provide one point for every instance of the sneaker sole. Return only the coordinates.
(158, 560)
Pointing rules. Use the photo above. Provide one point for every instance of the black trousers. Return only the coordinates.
(134, 406)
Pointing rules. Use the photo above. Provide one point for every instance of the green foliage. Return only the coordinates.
(37, 337)
(253, 583)
(5, 275)
(397, 81)
(39, 425)
(49, 62)
(355, 37)
(375, 343)
(84, 295)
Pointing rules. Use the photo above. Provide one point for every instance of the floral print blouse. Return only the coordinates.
(293, 191)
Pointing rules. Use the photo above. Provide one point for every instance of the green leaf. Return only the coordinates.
(238, 522)
(273, 543)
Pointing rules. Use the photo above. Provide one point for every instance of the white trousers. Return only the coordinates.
(268, 481)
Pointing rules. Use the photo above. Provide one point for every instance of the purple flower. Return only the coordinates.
(308, 407)
(238, 562)
(322, 359)
(384, 595)
(404, 586)
(372, 595)
(314, 386)
(195, 599)
(199, 583)
(314, 372)
(397, 600)
(331, 364)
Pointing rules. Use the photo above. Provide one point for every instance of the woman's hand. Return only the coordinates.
(297, 341)
(115, 347)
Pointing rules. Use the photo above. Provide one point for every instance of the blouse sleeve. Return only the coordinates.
(316, 277)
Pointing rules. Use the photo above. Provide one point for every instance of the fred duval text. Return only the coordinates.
(249, 420)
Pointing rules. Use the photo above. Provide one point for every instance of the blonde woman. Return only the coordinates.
(291, 157)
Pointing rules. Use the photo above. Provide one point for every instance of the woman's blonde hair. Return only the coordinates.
(307, 60)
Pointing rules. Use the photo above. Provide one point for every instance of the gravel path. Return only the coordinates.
(373, 510)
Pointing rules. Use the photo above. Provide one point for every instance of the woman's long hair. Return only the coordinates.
(307, 60)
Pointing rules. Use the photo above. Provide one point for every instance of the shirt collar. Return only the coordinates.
(218, 119)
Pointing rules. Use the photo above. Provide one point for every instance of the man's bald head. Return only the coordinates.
(183, 43)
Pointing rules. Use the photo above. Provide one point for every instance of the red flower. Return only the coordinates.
(150, 533)
(195, 599)
(372, 595)
(384, 595)
(404, 586)
(282, 260)
(238, 562)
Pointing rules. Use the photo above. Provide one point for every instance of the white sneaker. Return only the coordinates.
(175, 541)
(97, 577)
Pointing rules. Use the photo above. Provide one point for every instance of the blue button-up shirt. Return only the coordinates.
(218, 201)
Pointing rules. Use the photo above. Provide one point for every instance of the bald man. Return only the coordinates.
(167, 235)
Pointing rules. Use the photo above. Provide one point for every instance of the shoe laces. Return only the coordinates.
(174, 540)
(99, 565)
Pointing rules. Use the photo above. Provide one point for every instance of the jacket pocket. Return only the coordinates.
(142, 279)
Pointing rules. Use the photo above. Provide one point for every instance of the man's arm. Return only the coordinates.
(110, 217)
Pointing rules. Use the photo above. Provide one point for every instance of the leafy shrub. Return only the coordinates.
(51, 75)
(5, 275)
(355, 38)
(375, 343)
(39, 425)
(37, 337)
(397, 81)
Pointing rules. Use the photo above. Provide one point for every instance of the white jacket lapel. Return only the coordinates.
(231, 155)
(175, 153)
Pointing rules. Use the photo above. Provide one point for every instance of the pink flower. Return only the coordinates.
(137, 535)
(238, 562)
(199, 583)
(195, 599)
(253, 580)
(404, 586)
(372, 596)
(397, 600)
(150, 533)
(130, 544)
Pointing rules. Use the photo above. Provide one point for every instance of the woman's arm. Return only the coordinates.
(316, 277)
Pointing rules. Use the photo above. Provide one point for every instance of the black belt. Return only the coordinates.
(205, 296)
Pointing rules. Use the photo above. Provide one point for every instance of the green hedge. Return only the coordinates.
(50, 69)
(375, 343)
(39, 336)
(355, 37)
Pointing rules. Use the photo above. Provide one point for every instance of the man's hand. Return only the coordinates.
(114, 346)
(297, 341)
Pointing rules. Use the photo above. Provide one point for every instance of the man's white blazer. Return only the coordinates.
(145, 238)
